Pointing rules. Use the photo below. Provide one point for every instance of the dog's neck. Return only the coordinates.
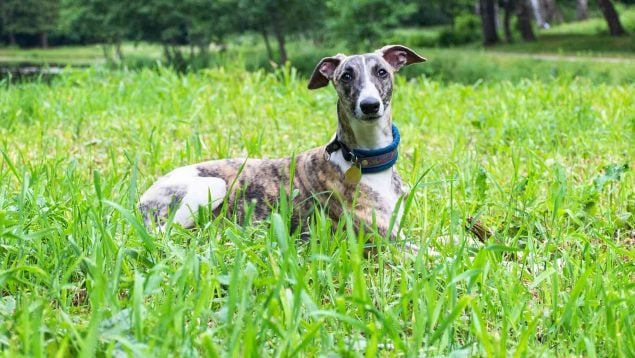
(356, 134)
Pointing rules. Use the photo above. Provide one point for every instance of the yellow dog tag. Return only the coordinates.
(353, 175)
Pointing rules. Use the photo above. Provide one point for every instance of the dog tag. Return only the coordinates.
(353, 175)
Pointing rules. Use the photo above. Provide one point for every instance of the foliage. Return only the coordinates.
(465, 30)
(78, 274)
(190, 31)
(372, 20)
(416, 37)
(281, 19)
(101, 21)
(29, 16)
(196, 22)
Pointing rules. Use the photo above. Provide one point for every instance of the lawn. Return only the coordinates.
(466, 65)
(88, 55)
(543, 164)
(582, 38)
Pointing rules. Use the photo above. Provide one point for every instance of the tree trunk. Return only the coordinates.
(167, 54)
(267, 44)
(277, 32)
(12, 40)
(535, 6)
(105, 49)
(44, 40)
(177, 61)
(508, 6)
(118, 50)
(488, 21)
(551, 11)
(612, 18)
(524, 21)
(582, 10)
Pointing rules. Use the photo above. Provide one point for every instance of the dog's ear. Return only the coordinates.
(323, 72)
(399, 56)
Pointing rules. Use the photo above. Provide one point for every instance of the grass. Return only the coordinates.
(88, 55)
(598, 45)
(460, 65)
(585, 38)
(543, 164)
(596, 24)
(471, 66)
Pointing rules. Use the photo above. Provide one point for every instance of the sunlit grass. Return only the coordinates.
(586, 38)
(88, 55)
(79, 275)
(596, 25)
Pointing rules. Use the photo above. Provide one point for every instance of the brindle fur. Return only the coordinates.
(258, 182)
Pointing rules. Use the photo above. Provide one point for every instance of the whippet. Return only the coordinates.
(354, 172)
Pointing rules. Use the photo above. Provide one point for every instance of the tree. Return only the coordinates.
(551, 11)
(45, 20)
(372, 20)
(508, 7)
(535, 6)
(103, 21)
(487, 9)
(193, 23)
(30, 17)
(210, 21)
(8, 9)
(454, 8)
(280, 18)
(611, 17)
(524, 20)
(582, 9)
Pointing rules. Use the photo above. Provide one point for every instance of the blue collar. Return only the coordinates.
(369, 160)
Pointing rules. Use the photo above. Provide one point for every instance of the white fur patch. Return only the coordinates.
(198, 192)
(368, 91)
(380, 182)
(372, 134)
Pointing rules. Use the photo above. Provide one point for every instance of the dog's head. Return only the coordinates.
(364, 82)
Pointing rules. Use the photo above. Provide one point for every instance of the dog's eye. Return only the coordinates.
(346, 77)
(382, 73)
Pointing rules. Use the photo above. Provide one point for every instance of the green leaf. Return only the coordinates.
(612, 173)
(148, 242)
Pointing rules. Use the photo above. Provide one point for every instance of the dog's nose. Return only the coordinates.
(369, 106)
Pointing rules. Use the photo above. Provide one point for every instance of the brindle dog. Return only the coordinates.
(327, 176)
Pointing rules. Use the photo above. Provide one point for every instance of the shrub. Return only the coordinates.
(466, 29)
(414, 38)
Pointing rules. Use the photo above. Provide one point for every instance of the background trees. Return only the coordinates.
(280, 19)
(33, 18)
(196, 24)
(612, 19)
(101, 21)
(359, 23)
(487, 9)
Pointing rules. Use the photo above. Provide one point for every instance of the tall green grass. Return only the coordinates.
(543, 164)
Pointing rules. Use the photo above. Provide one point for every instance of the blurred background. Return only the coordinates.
(466, 40)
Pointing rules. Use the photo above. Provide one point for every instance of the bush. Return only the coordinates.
(414, 38)
(466, 29)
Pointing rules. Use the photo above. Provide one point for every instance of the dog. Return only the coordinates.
(353, 173)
